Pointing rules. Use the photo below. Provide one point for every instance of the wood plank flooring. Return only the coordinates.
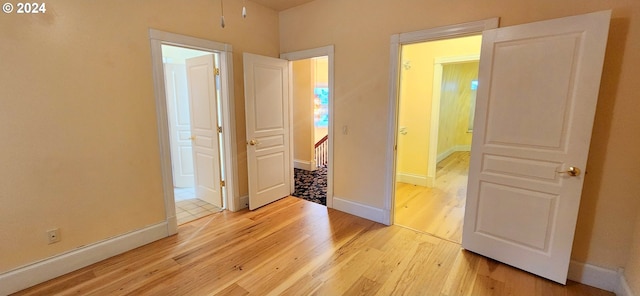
(438, 210)
(297, 247)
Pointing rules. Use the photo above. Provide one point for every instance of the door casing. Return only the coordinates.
(229, 161)
(397, 40)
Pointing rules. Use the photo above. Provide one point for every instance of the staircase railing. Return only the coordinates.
(322, 152)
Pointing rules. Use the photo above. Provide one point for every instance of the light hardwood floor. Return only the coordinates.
(297, 247)
(438, 210)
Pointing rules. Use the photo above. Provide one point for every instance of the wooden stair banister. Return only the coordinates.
(322, 151)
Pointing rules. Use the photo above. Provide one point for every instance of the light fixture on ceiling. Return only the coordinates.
(244, 9)
(222, 13)
(244, 12)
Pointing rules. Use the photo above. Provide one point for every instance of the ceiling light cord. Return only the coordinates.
(244, 9)
(222, 13)
(244, 12)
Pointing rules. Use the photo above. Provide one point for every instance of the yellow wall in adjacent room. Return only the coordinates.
(416, 92)
(78, 117)
(455, 103)
(303, 75)
(321, 79)
(361, 32)
(307, 74)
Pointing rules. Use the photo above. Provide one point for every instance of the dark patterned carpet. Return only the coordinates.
(311, 186)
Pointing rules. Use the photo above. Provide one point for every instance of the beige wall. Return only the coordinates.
(303, 72)
(78, 120)
(360, 30)
(632, 269)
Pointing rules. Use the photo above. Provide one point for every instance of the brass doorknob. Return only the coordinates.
(572, 171)
(253, 142)
(193, 138)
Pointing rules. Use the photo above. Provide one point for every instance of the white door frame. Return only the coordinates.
(438, 63)
(307, 54)
(397, 40)
(229, 160)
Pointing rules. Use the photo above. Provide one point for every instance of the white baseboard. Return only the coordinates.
(172, 225)
(304, 165)
(414, 179)
(591, 275)
(244, 202)
(623, 288)
(38, 272)
(451, 150)
(360, 210)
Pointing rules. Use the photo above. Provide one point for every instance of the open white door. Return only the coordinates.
(179, 124)
(204, 128)
(266, 91)
(538, 87)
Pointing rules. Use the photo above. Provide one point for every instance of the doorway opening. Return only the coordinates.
(436, 102)
(310, 92)
(220, 91)
(193, 108)
(312, 124)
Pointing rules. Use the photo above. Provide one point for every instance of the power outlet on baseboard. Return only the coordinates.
(53, 235)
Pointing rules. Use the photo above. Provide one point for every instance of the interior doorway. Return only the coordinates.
(312, 123)
(436, 100)
(310, 92)
(193, 109)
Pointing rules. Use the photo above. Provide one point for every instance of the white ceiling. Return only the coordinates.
(280, 5)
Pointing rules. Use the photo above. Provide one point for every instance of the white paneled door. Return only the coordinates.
(538, 87)
(204, 128)
(179, 124)
(266, 89)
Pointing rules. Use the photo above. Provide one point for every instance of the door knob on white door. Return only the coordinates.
(572, 171)
(253, 142)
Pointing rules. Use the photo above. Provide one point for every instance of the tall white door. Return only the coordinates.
(204, 128)
(179, 124)
(538, 87)
(267, 110)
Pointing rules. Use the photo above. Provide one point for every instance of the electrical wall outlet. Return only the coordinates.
(53, 235)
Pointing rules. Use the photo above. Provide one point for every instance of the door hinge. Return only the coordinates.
(216, 71)
(222, 183)
(220, 129)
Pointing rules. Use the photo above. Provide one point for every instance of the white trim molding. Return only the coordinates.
(599, 277)
(623, 288)
(360, 210)
(244, 202)
(420, 180)
(38, 272)
(450, 151)
(304, 165)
